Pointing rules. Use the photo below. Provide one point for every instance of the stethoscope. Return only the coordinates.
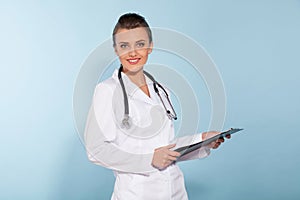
(126, 122)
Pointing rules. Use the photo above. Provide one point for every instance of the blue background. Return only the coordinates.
(255, 45)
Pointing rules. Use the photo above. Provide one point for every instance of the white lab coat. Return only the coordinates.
(129, 152)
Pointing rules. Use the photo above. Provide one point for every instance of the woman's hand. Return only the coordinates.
(163, 156)
(215, 144)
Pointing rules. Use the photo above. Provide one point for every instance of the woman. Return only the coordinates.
(137, 145)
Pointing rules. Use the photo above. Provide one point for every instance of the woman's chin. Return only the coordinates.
(132, 69)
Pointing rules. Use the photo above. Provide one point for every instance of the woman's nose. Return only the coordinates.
(132, 52)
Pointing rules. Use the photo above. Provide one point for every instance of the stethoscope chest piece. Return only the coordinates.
(126, 122)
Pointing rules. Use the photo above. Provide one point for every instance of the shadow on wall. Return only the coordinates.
(78, 178)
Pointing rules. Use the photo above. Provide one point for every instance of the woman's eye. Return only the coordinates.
(123, 46)
(140, 44)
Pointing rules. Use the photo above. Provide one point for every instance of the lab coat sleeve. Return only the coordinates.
(188, 140)
(100, 135)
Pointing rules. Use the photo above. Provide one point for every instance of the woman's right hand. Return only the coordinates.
(163, 156)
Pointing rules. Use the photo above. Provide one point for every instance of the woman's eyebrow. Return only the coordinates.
(140, 41)
(135, 42)
(123, 42)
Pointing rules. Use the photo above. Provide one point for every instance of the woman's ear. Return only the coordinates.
(150, 48)
(115, 49)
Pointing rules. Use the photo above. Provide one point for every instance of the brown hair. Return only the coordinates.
(131, 21)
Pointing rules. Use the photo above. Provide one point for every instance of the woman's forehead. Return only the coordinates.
(131, 35)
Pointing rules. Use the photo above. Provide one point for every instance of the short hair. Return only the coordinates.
(131, 21)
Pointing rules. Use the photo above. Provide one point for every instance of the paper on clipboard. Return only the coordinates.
(196, 145)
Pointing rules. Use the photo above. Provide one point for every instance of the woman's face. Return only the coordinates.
(132, 47)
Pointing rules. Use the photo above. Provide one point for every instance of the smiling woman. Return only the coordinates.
(133, 47)
(140, 154)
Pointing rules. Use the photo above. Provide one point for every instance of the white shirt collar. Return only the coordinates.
(134, 91)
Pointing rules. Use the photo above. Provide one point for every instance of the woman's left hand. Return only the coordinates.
(215, 144)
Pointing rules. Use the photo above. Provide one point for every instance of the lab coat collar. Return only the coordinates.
(133, 91)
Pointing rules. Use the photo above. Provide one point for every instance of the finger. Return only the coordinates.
(170, 146)
(216, 145)
(173, 153)
(166, 147)
(158, 148)
(212, 144)
(228, 136)
(172, 158)
(220, 140)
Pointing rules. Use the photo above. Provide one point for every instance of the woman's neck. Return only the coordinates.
(137, 78)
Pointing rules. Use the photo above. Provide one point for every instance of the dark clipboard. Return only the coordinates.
(189, 148)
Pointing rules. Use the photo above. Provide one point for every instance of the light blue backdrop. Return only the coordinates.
(255, 45)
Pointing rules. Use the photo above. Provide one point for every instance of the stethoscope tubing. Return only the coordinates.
(126, 120)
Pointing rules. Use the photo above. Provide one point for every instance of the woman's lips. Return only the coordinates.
(133, 61)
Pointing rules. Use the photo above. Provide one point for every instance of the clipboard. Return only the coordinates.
(189, 148)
